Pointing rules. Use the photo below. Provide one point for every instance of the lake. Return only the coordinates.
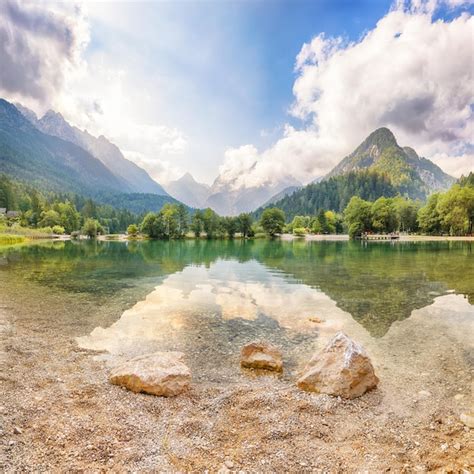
(70, 310)
(208, 298)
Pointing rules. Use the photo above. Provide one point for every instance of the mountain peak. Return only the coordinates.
(377, 141)
(52, 115)
(187, 177)
(381, 153)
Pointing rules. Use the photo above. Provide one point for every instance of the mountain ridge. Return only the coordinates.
(136, 178)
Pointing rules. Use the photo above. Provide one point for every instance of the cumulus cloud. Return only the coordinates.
(38, 47)
(410, 73)
(43, 65)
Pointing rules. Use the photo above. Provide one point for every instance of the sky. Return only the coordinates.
(253, 91)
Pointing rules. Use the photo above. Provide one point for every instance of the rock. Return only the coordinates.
(424, 394)
(229, 464)
(342, 369)
(261, 355)
(468, 419)
(17, 430)
(162, 373)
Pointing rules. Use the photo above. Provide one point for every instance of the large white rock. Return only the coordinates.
(161, 373)
(261, 355)
(342, 368)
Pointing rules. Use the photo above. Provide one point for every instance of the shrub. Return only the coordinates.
(299, 231)
(58, 229)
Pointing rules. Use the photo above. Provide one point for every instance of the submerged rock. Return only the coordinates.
(161, 373)
(342, 368)
(261, 355)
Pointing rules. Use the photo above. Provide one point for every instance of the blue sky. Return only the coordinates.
(221, 72)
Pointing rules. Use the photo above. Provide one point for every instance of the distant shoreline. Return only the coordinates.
(403, 238)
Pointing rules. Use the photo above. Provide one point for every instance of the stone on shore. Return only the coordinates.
(342, 369)
(161, 373)
(261, 355)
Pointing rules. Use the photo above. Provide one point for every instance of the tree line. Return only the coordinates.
(449, 213)
(60, 213)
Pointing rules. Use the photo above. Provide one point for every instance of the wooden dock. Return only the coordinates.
(379, 237)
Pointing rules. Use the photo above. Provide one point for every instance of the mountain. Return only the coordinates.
(135, 178)
(49, 162)
(377, 167)
(187, 190)
(226, 198)
(417, 177)
(278, 196)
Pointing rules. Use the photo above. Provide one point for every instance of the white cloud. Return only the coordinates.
(410, 73)
(39, 47)
(44, 65)
(455, 165)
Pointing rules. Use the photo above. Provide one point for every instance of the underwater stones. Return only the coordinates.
(261, 355)
(342, 369)
(161, 373)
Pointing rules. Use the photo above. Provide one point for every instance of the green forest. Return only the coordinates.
(446, 213)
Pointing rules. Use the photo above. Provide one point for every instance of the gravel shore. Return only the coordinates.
(59, 413)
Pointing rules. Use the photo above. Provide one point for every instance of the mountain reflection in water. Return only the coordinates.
(377, 284)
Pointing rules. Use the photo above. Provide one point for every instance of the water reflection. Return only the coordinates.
(377, 284)
(210, 312)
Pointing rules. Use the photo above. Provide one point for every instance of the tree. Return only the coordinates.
(49, 219)
(429, 218)
(231, 225)
(91, 228)
(406, 211)
(358, 216)
(183, 219)
(169, 216)
(210, 222)
(132, 230)
(456, 209)
(273, 221)
(245, 222)
(197, 224)
(58, 229)
(384, 215)
(69, 217)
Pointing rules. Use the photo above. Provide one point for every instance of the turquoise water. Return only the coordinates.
(377, 283)
(208, 298)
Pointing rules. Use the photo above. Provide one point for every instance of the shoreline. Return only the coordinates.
(282, 237)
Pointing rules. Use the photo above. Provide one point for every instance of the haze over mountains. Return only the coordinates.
(52, 154)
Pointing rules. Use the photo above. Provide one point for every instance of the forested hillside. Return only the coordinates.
(335, 193)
